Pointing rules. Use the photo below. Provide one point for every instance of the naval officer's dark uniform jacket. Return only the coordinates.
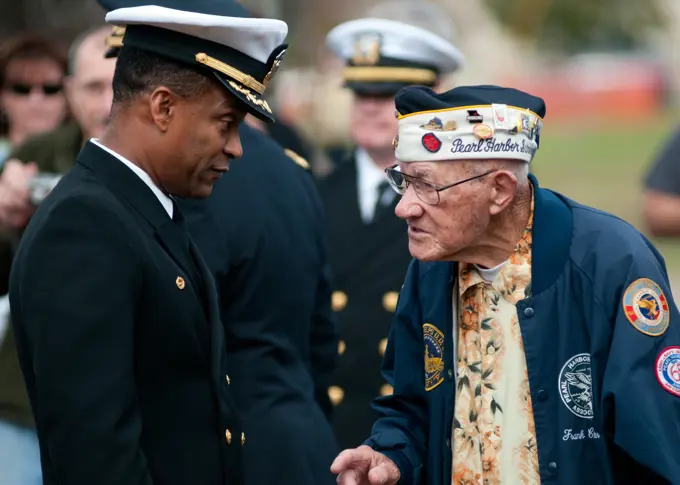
(262, 233)
(368, 262)
(119, 338)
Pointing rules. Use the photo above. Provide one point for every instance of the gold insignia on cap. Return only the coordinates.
(336, 394)
(390, 300)
(338, 300)
(367, 50)
(376, 74)
(275, 67)
(246, 92)
(296, 158)
(245, 79)
(382, 346)
(115, 39)
(386, 390)
(180, 283)
(342, 346)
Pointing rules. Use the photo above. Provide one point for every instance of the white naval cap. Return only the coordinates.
(218, 37)
(384, 55)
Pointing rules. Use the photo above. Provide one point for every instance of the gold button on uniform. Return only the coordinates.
(243, 439)
(227, 434)
(390, 301)
(338, 300)
(386, 390)
(382, 346)
(228, 381)
(336, 394)
(341, 347)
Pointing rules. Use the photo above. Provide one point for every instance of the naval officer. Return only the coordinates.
(115, 312)
(367, 243)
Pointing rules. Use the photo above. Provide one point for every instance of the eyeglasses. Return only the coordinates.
(21, 89)
(426, 191)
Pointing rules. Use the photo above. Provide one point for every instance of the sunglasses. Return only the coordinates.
(25, 89)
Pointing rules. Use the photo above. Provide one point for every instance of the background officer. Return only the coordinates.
(262, 233)
(368, 244)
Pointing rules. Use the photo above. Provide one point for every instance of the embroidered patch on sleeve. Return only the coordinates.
(646, 307)
(433, 339)
(668, 370)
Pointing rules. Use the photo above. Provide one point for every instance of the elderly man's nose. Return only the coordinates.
(408, 206)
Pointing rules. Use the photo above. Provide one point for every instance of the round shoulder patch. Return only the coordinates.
(433, 339)
(668, 370)
(646, 307)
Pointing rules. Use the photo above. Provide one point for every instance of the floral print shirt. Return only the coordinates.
(494, 437)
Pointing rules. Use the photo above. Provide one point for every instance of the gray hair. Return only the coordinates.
(73, 51)
(418, 13)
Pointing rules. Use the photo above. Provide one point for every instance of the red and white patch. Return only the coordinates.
(668, 370)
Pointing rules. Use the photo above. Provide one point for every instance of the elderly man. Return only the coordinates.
(368, 245)
(115, 312)
(532, 339)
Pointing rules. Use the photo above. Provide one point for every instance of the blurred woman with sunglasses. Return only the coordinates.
(32, 100)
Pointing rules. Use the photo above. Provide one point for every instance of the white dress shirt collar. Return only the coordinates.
(163, 198)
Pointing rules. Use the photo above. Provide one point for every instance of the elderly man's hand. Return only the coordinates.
(15, 206)
(364, 466)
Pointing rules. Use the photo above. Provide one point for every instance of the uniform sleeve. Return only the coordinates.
(73, 296)
(642, 376)
(400, 431)
(664, 174)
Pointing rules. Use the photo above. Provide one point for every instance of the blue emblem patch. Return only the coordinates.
(434, 356)
(576, 386)
(668, 370)
(646, 307)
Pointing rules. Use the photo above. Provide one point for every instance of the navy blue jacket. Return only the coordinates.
(262, 234)
(584, 261)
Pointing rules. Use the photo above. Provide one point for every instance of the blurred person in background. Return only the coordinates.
(89, 93)
(262, 233)
(368, 244)
(88, 87)
(32, 101)
(662, 191)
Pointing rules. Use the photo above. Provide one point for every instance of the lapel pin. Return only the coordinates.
(180, 282)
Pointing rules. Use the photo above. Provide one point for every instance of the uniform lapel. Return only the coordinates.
(217, 343)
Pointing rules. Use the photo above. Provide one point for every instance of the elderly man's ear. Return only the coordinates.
(503, 190)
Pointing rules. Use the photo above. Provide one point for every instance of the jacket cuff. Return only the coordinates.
(407, 474)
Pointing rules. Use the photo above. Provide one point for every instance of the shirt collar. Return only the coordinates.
(163, 198)
(369, 174)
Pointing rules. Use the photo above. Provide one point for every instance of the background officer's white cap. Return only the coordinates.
(216, 37)
(385, 55)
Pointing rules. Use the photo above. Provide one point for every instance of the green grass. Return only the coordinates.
(604, 166)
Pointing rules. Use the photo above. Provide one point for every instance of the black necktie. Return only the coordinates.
(382, 201)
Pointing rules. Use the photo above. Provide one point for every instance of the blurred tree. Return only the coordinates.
(572, 26)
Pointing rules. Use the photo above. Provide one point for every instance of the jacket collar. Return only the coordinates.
(551, 241)
(124, 183)
(553, 222)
